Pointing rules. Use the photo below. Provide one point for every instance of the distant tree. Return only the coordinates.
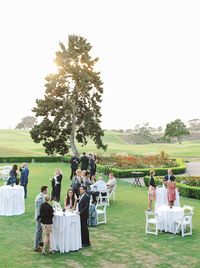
(128, 131)
(176, 129)
(27, 122)
(194, 124)
(71, 108)
(159, 129)
(142, 134)
(120, 131)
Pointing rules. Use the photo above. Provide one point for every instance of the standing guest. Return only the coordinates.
(83, 177)
(171, 192)
(91, 164)
(24, 177)
(56, 185)
(13, 176)
(169, 176)
(152, 189)
(38, 230)
(84, 162)
(87, 182)
(46, 214)
(70, 200)
(53, 185)
(76, 182)
(95, 163)
(74, 165)
(111, 182)
(84, 214)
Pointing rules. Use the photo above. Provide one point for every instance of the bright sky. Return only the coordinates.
(149, 56)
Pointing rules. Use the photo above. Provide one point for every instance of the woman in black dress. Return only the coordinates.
(56, 185)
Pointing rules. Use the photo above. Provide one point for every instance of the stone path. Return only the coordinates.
(193, 169)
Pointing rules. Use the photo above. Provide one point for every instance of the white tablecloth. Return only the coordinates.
(11, 200)
(168, 217)
(161, 197)
(66, 233)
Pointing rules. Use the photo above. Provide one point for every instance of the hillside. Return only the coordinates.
(19, 143)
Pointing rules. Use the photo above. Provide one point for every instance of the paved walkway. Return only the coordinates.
(193, 169)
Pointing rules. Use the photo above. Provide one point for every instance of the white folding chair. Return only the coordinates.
(188, 210)
(101, 214)
(152, 221)
(185, 225)
(103, 199)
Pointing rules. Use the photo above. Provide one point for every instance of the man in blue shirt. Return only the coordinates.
(24, 177)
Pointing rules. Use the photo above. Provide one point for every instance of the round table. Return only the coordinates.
(161, 197)
(66, 232)
(168, 217)
(11, 200)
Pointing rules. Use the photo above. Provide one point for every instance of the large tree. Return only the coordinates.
(176, 129)
(143, 134)
(27, 122)
(70, 109)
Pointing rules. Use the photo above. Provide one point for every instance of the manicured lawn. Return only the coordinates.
(120, 243)
(19, 143)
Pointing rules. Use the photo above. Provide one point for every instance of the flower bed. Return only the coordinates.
(161, 160)
(126, 173)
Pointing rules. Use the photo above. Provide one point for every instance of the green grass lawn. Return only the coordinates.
(19, 143)
(120, 243)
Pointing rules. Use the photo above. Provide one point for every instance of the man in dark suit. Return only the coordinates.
(83, 206)
(74, 165)
(169, 176)
(84, 162)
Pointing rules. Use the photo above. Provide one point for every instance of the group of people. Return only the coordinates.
(16, 178)
(169, 182)
(44, 214)
(88, 162)
(77, 198)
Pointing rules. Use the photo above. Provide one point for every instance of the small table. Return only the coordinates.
(136, 178)
(11, 200)
(168, 217)
(66, 232)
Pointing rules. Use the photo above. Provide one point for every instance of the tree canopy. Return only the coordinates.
(26, 122)
(143, 134)
(71, 108)
(176, 129)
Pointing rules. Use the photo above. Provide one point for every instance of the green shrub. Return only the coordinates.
(28, 159)
(126, 173)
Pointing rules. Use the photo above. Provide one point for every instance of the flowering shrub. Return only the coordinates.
(129, 161)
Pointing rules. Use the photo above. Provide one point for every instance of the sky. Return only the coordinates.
(149, 56)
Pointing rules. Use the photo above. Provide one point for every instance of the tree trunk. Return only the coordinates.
(179, 140)
(72, 135)
(73, 145)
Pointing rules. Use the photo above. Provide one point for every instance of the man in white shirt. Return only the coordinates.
(99, 186)
(111, 182)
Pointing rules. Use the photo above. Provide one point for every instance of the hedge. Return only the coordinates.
(37, 159)
(184, 190)
(126, 173)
